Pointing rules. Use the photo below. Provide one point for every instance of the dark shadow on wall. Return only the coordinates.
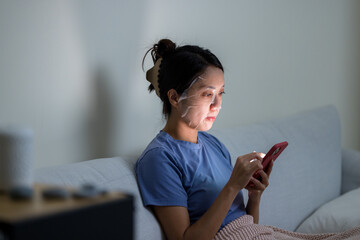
(101, 117)
(355, 67)
(111, 32)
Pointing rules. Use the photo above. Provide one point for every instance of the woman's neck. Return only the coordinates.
(180, 130)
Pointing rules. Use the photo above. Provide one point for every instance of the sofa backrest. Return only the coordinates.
(306, 175)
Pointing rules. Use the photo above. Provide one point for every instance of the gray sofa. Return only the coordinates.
(311, 173)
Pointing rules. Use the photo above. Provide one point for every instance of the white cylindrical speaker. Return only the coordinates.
(15, 158)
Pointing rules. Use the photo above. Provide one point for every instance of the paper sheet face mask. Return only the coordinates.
(200, 104)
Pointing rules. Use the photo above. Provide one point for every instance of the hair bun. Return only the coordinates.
(163, 48)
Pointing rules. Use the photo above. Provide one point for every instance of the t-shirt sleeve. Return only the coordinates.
(159, 179)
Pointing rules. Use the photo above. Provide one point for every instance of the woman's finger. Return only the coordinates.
(254, 156)
(264, 178)
(257, 184)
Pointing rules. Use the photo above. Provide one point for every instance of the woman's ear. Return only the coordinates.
(173, 97)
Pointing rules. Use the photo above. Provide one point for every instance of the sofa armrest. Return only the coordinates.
(350, 170)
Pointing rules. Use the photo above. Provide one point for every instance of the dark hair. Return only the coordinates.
(179, 67)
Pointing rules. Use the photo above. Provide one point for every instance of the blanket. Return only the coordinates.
(244, 228)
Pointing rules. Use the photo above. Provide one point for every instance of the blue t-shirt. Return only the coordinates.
(179, 173)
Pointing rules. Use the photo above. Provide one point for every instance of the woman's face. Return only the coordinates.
(200, 104)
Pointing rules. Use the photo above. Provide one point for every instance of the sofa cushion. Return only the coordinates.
(306, 175)
(338, 215)
(115, 174)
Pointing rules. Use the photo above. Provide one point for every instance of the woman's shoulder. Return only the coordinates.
(159, 146)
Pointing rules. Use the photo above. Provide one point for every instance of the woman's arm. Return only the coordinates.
(255, 189)
(176, 223)
(175, 220)
(253, 207)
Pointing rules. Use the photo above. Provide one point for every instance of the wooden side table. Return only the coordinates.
(108, 216)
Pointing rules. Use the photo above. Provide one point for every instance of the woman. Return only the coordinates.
(185, 175)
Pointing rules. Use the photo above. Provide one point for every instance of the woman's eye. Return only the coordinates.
(222, 93)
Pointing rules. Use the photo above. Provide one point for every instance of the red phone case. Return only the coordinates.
(272, 154)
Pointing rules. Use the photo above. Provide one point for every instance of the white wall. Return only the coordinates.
(71, 70)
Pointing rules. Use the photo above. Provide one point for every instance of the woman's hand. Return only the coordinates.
(244, 168)
(256, 187)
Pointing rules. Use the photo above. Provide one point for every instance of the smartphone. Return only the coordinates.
(271, 155)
